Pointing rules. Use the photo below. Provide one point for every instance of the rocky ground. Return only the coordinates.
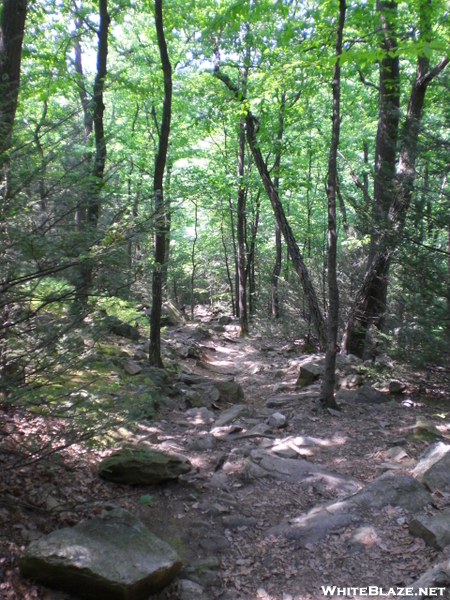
(272, 507)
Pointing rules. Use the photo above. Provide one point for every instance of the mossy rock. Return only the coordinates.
(141, 466)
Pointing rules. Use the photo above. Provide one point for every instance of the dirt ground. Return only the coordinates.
(217, 515)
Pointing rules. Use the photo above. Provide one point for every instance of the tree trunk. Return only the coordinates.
(241, 197)
(193, 261)
(160, 219)
(90, 214)
(327, 390)
(12, 27)
(278, 249)
(250, 269)
(227, 266)
(393, 187)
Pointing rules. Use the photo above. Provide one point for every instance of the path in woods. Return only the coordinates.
(219, 517)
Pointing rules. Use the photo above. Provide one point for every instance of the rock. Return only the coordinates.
(434, 529)
(132, 368)
(229, 391)
(277, 420)
(215, 544)
(199, 416)
(424, 425)
(192, 398)
(225, 320)
(189, 590)
(208, 393)
(430, 457)
(218, 328)
(436, 577)
(396, 387)
(264, 464)
(140, 355)
(394, 489)
(139, 466)
(236, 521)
(333, 412)
(231, 414)
(366, 394)
(159, 377)
(114, 556)
(310, 371)
(173, 315)
(202, 442)
(384, 361)
(345, 396)
(436, 476)
(192, 378)
(118, 327)
(309, 528)
(350, 381)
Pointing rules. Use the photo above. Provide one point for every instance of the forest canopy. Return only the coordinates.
(280, 159)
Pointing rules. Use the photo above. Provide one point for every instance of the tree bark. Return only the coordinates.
(393, 187)
(12, 27)
(90, 214)
(294, 250)
(160, 219)
(327, 390)
(240, 223)
(278, 249)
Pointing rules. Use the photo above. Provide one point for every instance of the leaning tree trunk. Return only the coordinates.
(393, 187)
(327, 390)
(280, 216)
(275, 304)
(160, 219)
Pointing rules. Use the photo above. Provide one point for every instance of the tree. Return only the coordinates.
(327, 390)
(394, 171)
(160, 218)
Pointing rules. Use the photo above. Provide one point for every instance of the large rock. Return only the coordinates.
(434, 529)
(309, 528)
(159, 377)
(438, 475)
(264, 464)
(229, 391)
(141, 466)
(114, 556)
(118, 327)
(231, 414)
(430, 457)
(172, 314)
(366, 394)
(207, 392)
(436, 577)
(394, 489)
(310, 370)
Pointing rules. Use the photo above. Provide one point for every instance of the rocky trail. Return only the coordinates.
(279, 497)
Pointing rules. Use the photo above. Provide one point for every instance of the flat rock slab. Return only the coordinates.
(114, 556)
(430, 457)
(366, 394)
(231, 414)
(229, 391)
(437, 577)
(434, 529)
(395, 489)
(264, 464)
(139, 466)
(437, 475)
(311, 527)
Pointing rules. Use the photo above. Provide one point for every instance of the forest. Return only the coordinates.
(280, 165)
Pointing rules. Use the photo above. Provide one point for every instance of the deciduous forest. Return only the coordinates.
(220, 206)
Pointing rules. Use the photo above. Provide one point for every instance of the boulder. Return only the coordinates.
(229, 391)
(436, 577)
(118, 327)
(199, 416)
(231, 414)
(434, 529)
(310, 370)
(425, 426)
(159, 377)
(132, 368)
(114, 556)
(309, 528)
(277, 420)
(264, 464)
(430, 457)
(208, 393)
(172, 314)
(438, 475)
(394, 489)
(189, 590)
(396, 387)
(141, 466)
(366, 394)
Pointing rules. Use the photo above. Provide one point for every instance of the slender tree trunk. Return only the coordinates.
(91, 213)
(193, 262)
(168, 211)
(327, 390)
(250, 269)
(242, 300)
(227, 266)
(276, 181)
(12, 27)
(160, 218)
(393, 187)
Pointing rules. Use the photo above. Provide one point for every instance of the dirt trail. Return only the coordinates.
(217, 516)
